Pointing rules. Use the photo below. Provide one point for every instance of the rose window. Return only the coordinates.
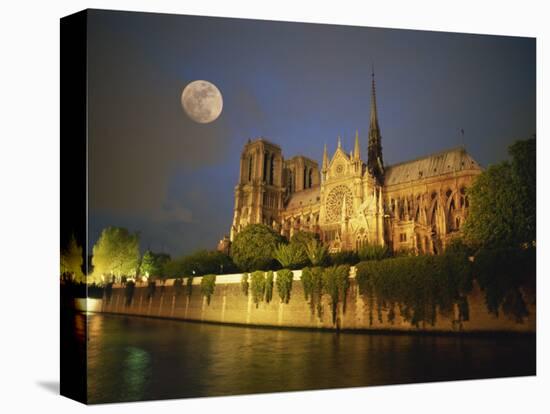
(335, 201)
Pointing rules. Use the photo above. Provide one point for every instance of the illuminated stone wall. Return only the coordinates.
(229, 304)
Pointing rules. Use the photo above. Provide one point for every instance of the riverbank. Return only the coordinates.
(230, 305)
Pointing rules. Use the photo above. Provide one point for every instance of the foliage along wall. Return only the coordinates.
(328, 299)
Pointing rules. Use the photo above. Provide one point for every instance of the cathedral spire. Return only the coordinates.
(357, 150)
(375, 161)
(325, 159)
(339, 142)
(373, 110)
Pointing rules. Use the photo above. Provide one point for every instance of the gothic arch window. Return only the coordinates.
(361, 242)
(335, 201)
(290, 180)
(305, 177)
(266, 159)
(250, 168)
(433, 215)
(310, 177)
(453, 224)
(271, 162)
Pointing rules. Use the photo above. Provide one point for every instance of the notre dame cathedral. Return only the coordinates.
(417, 205)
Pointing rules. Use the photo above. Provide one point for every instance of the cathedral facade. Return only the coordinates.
(418, 205)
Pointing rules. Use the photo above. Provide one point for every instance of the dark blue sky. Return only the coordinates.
(155, 171)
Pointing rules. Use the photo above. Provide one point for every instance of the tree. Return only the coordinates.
(344, 257)
(253, 247)
(116, 253)
(71, 261)
(200, 262)
(290, 256)
(503, 201)
(148, 264)
(162, 260)
(316, 253)
(299, 241)
(153, 265)
(524, 165)
(373, 252)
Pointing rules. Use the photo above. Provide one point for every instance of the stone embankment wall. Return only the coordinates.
(229, 304)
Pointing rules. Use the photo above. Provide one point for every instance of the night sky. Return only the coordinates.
(153, 170)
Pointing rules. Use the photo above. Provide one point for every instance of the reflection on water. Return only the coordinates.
(133, 358)
(136, 371)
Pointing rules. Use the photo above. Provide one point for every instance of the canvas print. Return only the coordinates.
(257, 206)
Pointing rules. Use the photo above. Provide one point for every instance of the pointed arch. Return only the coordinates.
(271, 168)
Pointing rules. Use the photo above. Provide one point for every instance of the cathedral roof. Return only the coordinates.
(440, 163)
(304, 198)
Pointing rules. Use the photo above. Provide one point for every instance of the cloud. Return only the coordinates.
(173, 213)
(138, 133)
(137, 138)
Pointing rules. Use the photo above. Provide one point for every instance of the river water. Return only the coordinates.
(132, 358)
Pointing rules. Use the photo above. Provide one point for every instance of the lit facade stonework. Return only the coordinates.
(419, 205)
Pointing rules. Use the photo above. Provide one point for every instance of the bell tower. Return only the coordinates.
(259, 192)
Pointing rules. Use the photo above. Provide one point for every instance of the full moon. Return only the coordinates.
(202, 101)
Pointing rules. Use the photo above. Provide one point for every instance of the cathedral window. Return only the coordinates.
(266, 160)
(310, 177)
(250, 168)
(271, 169)
(452, 206)
(290, 181)
(335, 202)
(433, 215)
(403, 237)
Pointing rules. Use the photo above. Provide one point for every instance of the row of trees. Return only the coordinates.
(116, 256)
(258, 247)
